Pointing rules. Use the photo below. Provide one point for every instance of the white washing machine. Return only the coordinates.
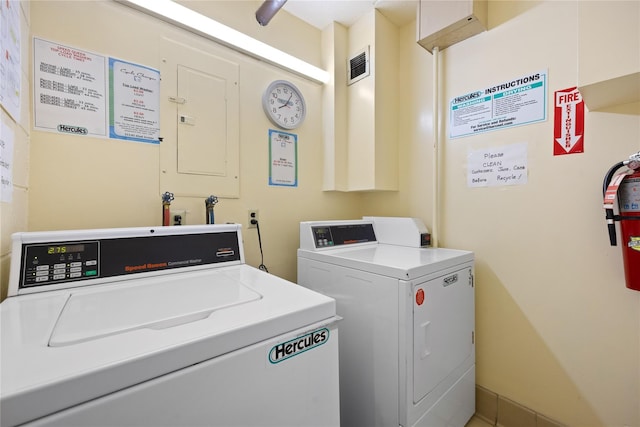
(161, 327)
(407, 345)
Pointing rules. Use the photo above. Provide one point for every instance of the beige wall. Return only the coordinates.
(557, 331)
(112, 183)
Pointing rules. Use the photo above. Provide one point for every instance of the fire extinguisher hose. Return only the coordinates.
(609, 176)
(611, 226)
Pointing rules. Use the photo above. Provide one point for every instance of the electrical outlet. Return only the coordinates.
(253, 215)
(178, 217)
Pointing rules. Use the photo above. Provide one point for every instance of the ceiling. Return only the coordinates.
(321, 13)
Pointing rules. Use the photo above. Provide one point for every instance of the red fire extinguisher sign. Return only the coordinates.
(568, 125)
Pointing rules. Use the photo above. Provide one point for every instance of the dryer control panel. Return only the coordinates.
(318, 235)
(337, 235)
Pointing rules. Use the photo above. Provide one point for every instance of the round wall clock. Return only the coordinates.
(284, 104)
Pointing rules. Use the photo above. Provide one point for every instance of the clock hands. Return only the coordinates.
(286, 104)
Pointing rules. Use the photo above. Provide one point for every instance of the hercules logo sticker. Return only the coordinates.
(450, 280)
(296, 346)
(420, 296)
(77, 130)
(634, 243)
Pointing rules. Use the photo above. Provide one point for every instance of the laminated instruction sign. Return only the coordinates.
(69, 90)
(84, 93)
(283, 158)
(516, 102)
(134, 99)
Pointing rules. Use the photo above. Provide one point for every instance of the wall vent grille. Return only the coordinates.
(358, 66)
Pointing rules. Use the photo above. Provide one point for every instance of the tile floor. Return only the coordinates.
(477, 422)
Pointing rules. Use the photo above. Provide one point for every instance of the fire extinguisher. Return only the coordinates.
(626, 186)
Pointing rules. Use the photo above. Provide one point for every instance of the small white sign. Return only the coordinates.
(498, 166)
(6, 163)
(283, 158)
(10, 63)
(134, 97)
(69, 90)
(83, 93)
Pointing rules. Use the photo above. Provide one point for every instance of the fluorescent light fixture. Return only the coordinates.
(170, 11)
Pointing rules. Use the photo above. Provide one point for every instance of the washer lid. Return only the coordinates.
(153, 305)
(109, 337)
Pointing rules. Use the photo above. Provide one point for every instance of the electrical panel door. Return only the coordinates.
(200, 114)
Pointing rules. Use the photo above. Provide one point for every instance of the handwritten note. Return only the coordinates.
(498, 166)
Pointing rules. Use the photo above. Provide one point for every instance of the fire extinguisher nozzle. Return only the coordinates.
(611, 226)
(612, 234)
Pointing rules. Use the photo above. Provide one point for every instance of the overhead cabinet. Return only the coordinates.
(444, 23)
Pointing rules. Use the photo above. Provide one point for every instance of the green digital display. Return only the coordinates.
(65, 249)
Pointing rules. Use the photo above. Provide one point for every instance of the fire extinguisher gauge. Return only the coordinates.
(634, 161)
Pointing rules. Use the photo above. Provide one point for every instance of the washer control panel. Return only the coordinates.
(60, 261)
(43, 261)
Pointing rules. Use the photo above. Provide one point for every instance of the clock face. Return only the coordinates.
(284, 105)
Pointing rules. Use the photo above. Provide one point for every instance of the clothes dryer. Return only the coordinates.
(161, 327)
(407, 344)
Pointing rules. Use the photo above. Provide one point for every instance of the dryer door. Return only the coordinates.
(443, 325)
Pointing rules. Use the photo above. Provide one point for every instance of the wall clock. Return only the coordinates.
(284, 104)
